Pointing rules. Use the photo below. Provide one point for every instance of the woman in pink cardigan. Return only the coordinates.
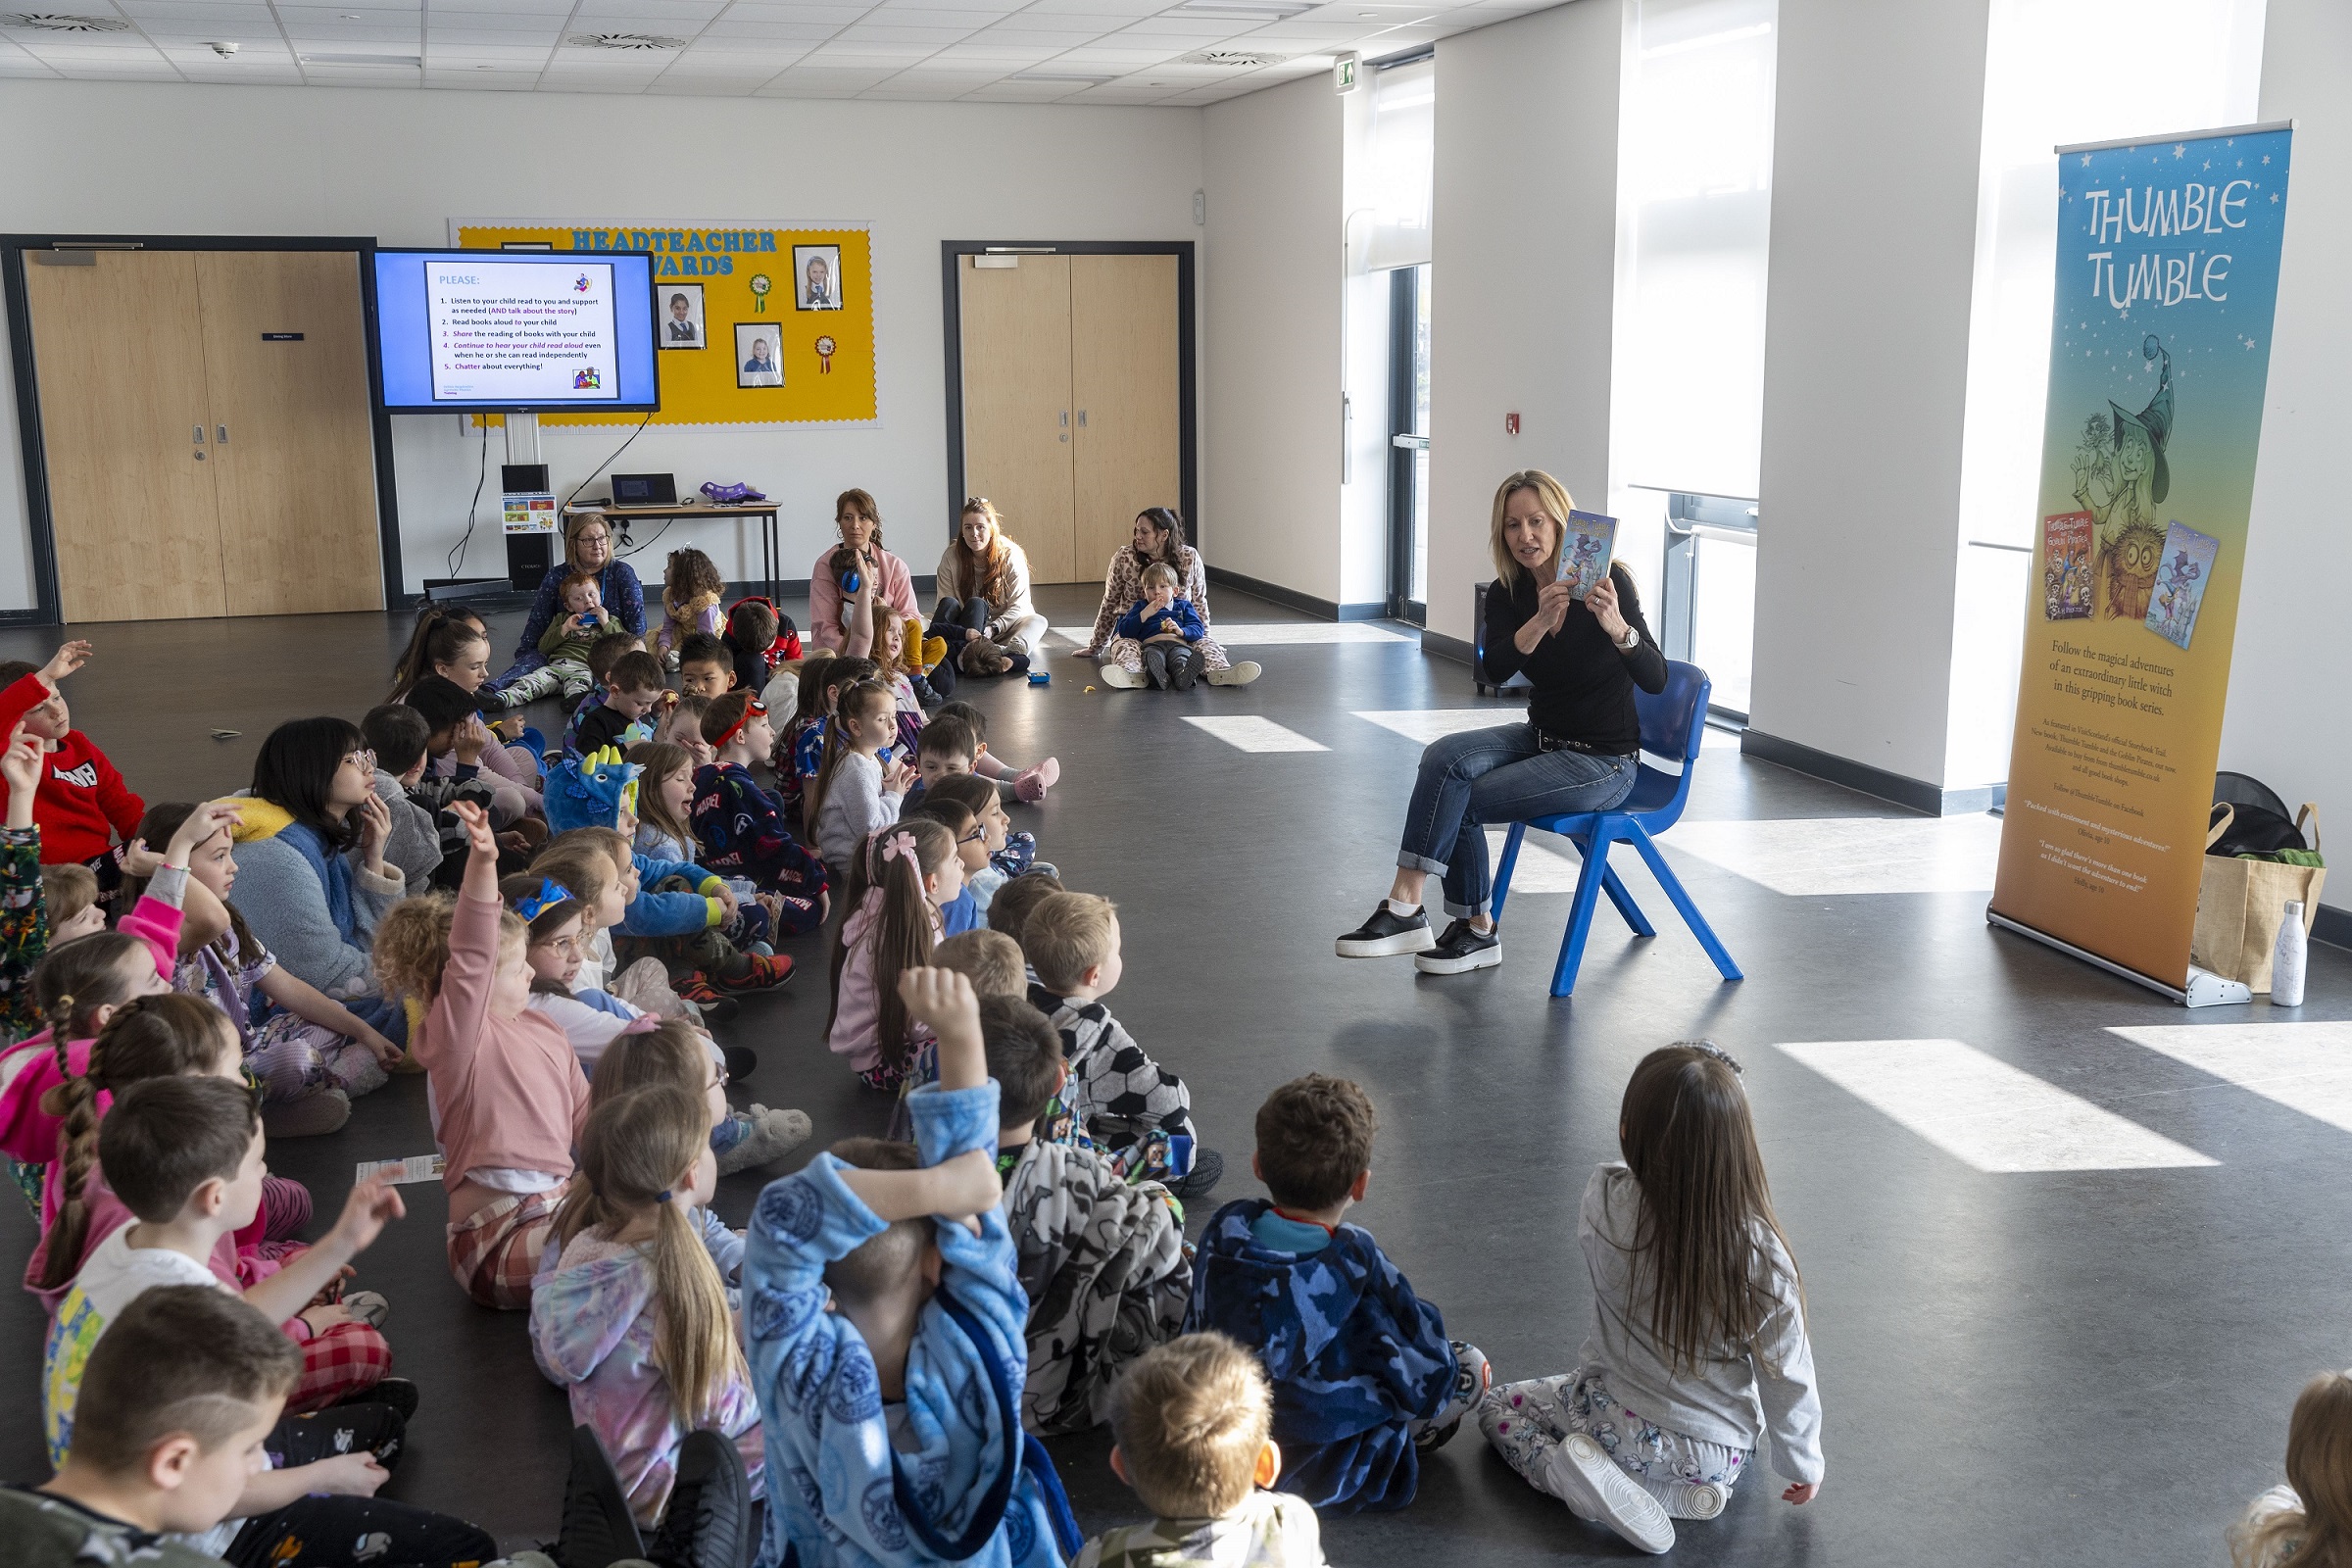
(879, 574)
(509, 1097)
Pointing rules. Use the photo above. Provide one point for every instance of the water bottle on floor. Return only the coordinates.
(2288, 958)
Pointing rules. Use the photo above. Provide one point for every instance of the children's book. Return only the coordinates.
(2066, 571)
(1584, 550)
(2182, 574)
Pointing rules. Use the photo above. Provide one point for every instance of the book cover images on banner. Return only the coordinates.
(2180, 583)
(2066, 555)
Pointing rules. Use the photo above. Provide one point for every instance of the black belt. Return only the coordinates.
(1561, 743)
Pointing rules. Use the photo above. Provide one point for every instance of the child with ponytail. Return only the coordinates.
(311, 1054)
(452, 643)
(509, 1096)
(2308, 1521)
(634, 1317)
(899, 878)
(1698, 1346)
(856, 792)
(801, 747)
(78, 986)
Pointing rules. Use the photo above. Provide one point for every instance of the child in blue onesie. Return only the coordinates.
(893, 1425)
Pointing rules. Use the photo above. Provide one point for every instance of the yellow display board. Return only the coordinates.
(757, 324)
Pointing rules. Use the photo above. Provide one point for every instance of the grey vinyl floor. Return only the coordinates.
(2069, 1249)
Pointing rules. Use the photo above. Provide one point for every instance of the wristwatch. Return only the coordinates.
(1629, 641)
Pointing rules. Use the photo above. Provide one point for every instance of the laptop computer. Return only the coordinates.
(645, 490)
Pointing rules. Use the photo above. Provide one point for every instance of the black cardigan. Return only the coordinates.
(1584, 683)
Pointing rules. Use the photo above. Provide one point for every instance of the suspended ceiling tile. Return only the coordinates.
(867, 31)
(769, 31)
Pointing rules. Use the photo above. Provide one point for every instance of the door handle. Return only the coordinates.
(199, 436)
(224, 435)
(1081, 419)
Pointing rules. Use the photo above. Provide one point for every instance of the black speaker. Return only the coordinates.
(528, 555)
(513, 477)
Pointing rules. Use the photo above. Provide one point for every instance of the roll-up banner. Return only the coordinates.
(2160, 347)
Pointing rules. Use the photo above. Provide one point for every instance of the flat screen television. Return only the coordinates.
(515, 332)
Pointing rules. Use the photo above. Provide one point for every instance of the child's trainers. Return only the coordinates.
(1694, 1500)
(598, 1529)
(1031, 783)
(760, 972)
(1589, 1481)
(708, 1523)
(312, 1116)
(706, 998)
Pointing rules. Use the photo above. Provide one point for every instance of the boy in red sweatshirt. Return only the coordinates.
(82, 806)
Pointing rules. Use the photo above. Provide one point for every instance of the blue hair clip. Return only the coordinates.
(551, 892)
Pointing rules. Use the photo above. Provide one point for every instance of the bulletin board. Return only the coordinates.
(757, 323)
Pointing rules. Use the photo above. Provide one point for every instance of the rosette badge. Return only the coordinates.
(824, 354)
(760, 285)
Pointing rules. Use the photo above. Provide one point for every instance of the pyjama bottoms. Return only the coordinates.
(285, 1208)
(644, 986)
(494, 1251)
(347, 1359)
(1527, 1421)
(295, 1059)
(1469, 1387)
(341, 1532)
(568, 679)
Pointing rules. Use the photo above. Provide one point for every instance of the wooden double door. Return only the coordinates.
(1073, 400)
(206, 431)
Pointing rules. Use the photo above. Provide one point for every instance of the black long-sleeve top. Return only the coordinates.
(1584, 683)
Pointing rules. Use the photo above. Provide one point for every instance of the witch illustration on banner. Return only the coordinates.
(2124, 457)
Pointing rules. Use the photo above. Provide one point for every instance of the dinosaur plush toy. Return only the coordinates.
(590, 791)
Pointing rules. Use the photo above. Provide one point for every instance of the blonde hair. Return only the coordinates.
(410, 946)
(1066, 935)
(611, 842)
(990, 960)
(636, 1152)
(659, 759)
(1556, 506)
(67, 890)
(1160, 574)
(2319, 1467)
(1191, 1417)
(583, 870)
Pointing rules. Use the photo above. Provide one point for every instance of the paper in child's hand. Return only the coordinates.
(415, 1169)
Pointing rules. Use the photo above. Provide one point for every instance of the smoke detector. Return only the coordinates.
(56, 22)
(1231, 58)
(226, 51)
(623, 40)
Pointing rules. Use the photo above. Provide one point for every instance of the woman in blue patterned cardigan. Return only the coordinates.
(588, 547)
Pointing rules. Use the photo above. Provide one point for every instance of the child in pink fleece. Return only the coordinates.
(898, 879)
(509, 1097)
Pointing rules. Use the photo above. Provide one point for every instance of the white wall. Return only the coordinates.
(1526, 253)
(122, 158)
(1874, 154)
(2286, 723)
(1270, 440)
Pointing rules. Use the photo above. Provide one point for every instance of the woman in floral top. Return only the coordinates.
(1159, 537)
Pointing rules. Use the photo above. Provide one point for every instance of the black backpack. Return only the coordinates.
(2259, 823)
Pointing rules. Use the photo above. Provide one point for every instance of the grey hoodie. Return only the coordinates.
(1736, 1395)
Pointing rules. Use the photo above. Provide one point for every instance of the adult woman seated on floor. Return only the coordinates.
(880, 574)
(1578, 752)
(587, 547)
(1159, 537)
(986, 616)
(311, 877)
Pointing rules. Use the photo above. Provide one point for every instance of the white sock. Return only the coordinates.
(1403, 910)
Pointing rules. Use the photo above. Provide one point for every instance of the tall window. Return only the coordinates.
(1396, 195)
(1686, 404)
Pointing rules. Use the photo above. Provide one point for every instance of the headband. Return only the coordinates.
(755, 709)
(551, 892)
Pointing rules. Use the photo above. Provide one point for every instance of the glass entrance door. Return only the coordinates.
(1409, 444)
(1709, 616)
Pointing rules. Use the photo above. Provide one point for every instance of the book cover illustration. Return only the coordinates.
(2182, 579)
(2066, 575)
(1585, 548)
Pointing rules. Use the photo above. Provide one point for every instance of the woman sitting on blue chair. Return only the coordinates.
(1578, 751)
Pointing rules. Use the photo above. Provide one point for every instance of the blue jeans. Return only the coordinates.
(1495, 775)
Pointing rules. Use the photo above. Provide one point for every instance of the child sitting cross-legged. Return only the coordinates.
(683, 728)
(1029, 784)
(632, 1314)
(344, 1352)
(1374, 1380)
(800, 751)
(1698, 1344)
(860, 785)
(311, 1054)
(179, 1457)
(457, 746)
(991, 960)
(898, 881)
(509, 1096)
(603, 653)
(453, 643)
(1193, 1420)
(1102, 1263)
(691, 590)
(945, 764)
(586, 872)
(1136, 1112)
(631, 691)
(892, 1437)
(740, 827)
(688, 917)
(565, 642)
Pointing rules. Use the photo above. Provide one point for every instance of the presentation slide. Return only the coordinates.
(522, 334)
(516, 331)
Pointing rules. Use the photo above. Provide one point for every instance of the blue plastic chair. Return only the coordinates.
(1673, 724)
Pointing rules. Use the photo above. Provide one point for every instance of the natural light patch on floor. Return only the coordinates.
(1249, 732)
(1425, 724)
(2306, 1067)
(1814, 857)
(1984, 1112)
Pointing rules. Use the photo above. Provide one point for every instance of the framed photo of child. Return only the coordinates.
(816, 277)
(682, 316)
(757, 361)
